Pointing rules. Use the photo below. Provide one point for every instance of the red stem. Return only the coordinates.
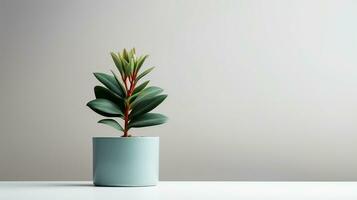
(127, 106)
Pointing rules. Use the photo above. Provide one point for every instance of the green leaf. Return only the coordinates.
(140, 87)
(126, 55)
(123, 60)
(112, 123)
(141, 62)
(125, 64)
(148, 119)
(137, 91)
(117, 62)
(121, 86)
(146, 94)
(105, 107)
(131, 66)
(103, 93)
(110, 82)
(132, 54)
(147, 105)
(144, 73)
(126, 68)
(136, 62)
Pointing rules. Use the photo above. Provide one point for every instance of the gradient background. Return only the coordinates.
(258, 90)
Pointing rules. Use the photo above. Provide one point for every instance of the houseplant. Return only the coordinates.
(126, 160)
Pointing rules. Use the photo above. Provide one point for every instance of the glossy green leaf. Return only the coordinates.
(140, 87)
(147, 105)
(137, 91)
(148, 119)
(131, 66)
(132, 54)
(117, 62)
(103, 93)
(125, 64)
(141, 62)
(121, 86)
(146, 94)
(136, 61)
(126, 55)
(126, 68)
(123, 60)
(110, 82)
(112, 123)
(144, 73)
(105, 107)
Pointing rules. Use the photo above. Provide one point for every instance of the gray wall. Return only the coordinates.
(258, 90)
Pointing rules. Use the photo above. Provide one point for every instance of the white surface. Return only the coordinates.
(181, 190)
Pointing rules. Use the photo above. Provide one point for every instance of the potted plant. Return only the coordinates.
(126, 160)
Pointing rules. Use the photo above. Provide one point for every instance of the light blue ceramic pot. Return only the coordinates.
(125, 161)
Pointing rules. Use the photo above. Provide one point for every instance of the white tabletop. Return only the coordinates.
(171, 190)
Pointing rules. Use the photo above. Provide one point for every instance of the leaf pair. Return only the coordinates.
(148, 119)
(111, 83)
(147, 105)
(109, 101)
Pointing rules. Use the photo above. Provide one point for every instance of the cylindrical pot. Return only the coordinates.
(125, 161)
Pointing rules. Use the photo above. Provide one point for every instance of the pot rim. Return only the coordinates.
(132, 137)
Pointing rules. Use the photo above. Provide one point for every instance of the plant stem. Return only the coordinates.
(127, 105)
(126, 119)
